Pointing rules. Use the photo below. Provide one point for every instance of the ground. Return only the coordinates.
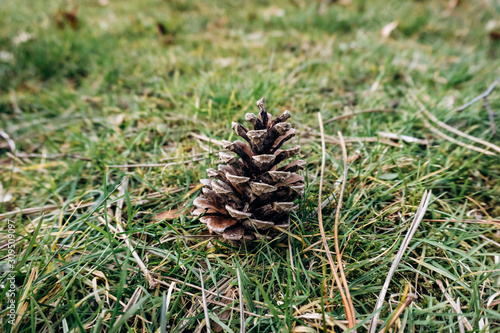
(90, 87)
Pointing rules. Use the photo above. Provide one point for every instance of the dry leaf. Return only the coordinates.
(388, 28)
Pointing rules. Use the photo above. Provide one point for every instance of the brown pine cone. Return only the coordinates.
(247, 197)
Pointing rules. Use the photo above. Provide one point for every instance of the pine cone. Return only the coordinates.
(248, 196)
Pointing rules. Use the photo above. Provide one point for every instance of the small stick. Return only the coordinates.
(491, 115)
(422, 208)
(483, 95)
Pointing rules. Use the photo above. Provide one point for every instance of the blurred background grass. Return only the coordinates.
(88, 86)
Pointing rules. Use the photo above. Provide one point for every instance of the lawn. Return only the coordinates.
(111, 112)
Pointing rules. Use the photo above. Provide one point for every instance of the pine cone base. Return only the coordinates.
(250, 197)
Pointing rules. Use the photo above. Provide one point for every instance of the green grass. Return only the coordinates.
(113, 92)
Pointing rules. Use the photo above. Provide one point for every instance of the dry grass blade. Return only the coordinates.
(402, 137)
(454, 305)
(424, 203)
(23, 305)
(29, 210)
(345, 302)
(449, 138)
(424, 110)
(123, 186)
(169, 295)
(336, 229)
(406, 300)
(460, 319)
(53, 157)
(133, 300)
(10, 142)
(151, 280)
(154, 165)
(204, 299)
(348, 115)
(491, 115)
(242, 309)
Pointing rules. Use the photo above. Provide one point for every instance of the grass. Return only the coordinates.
(80, 102)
